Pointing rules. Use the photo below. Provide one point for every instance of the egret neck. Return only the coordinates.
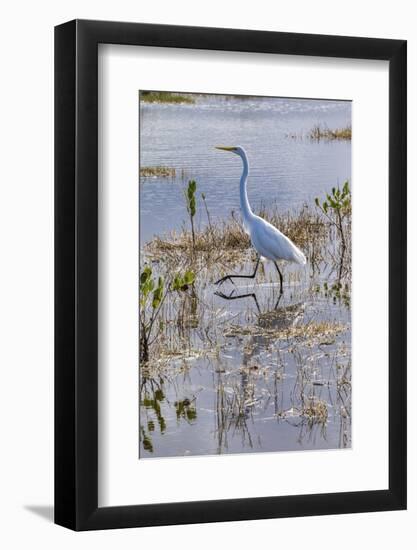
(247, 213)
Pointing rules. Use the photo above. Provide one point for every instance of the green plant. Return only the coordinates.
(181, 283)
(191, 205)
(336, 208)
(203, 196)
(166, 97)
(152, 294)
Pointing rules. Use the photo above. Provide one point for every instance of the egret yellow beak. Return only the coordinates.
(226, 148)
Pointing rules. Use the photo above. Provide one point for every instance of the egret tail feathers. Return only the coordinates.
(299, 257)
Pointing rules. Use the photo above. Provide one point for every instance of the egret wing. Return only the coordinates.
(273, 244)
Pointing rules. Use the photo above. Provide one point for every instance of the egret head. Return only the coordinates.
(237, 150)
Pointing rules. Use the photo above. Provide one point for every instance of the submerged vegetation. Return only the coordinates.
(166, 97)
(286, 359)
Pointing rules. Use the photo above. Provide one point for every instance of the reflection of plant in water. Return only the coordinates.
(343, 384)
(186, 409)
(315, 410)
(279, 327)
(338, 291)
(152, 396)
(234, 404)
(294, 352)
(146, 439)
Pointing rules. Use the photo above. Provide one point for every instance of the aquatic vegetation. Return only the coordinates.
(203, 196)
(152, 295)
(339, 202)
(157, 172)
(242, 368)
(337, 208)
(304, 226)
(186, 409)
(148, 289)
(319, 331)
(250, 358)
(166, 97)
(182, 282)
(191, 205)
(337, 291)
(315, 410)
(152, 398)
(319, 132)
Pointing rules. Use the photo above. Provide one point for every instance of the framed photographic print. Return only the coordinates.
(230, 275)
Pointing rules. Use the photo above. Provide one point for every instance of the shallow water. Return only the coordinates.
(239, 374)
(242, 393)
(287, 170)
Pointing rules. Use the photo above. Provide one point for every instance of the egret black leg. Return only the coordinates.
(234, 296)
(280, 277)
(278, 301)
(230, 277)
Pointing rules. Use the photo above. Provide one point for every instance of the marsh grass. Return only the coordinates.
(320, 332)
(221, 247)
(157, 172)
(319, 132)
(304, 227)
(166, 97)
(224, 247)
(288, 361)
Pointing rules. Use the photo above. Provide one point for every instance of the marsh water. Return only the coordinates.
(242, 368)
(285, 168)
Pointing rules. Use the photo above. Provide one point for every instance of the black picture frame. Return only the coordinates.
(76, 273)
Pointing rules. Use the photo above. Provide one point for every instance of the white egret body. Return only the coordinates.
(267, 240)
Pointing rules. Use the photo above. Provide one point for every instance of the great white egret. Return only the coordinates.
(267, 240)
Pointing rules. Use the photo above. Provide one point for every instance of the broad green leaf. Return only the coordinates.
(146, 274)
(189, 277)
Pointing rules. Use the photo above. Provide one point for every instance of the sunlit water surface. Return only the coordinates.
(236, 389)
(287, 170)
